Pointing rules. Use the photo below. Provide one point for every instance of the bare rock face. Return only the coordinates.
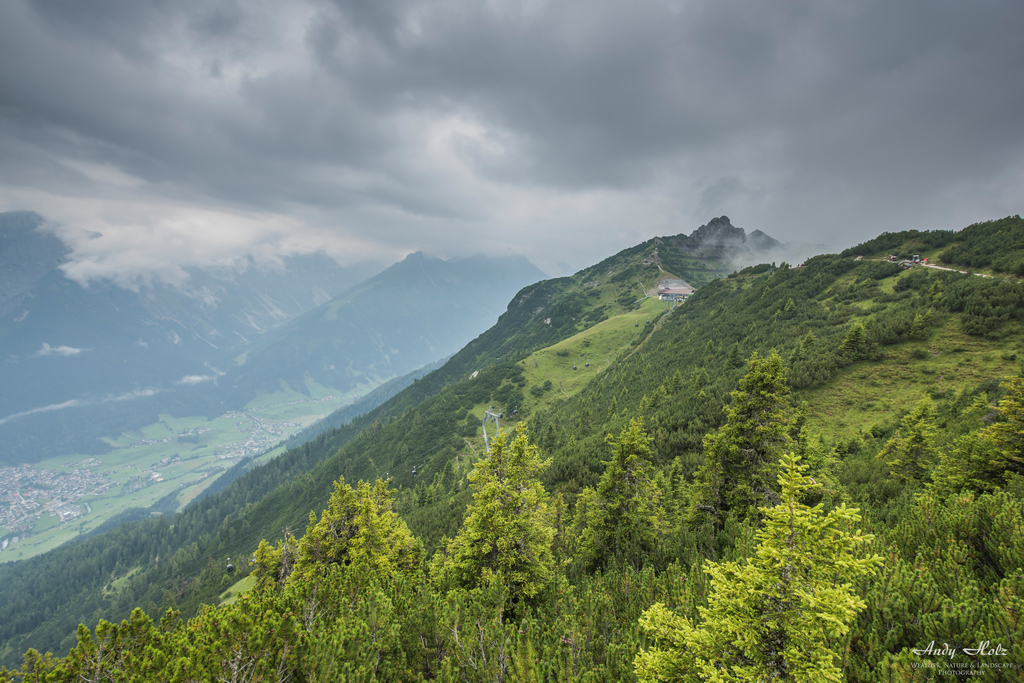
(721, 240)
(719, 232)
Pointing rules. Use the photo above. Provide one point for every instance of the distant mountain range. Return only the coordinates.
(412, 314)
(84, 362)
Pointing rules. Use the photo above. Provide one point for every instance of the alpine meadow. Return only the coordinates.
(807, 472)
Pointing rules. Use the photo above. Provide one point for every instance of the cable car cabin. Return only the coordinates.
(636, 325)
(230, 567)
(587, 364)
(414, 470)
(573, 366)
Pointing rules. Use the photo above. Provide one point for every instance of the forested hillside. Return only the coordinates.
(43, 599)
(841, 439)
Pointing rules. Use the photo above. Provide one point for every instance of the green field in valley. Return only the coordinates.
(177, 456)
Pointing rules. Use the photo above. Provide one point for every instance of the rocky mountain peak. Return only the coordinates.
(719, 232)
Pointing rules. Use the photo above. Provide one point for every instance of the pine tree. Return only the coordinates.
(912, 452)
(699, 381)
(360, 529)
(1009, 433)
(624, 521)
(257, 638)
(275, 564)
(988, 459)
(855, 341)
(919, 327)
(383, 542)
(507, 532)
(677, 382)
(326, 541)
(973, 464)
(782, 617)
(740, 459)
(268, 562)
(735, 358)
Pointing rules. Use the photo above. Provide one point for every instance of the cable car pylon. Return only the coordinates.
(490, 415)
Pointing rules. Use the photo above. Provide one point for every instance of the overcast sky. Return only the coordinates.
(199, 131)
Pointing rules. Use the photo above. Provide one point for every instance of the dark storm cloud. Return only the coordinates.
(563, 130)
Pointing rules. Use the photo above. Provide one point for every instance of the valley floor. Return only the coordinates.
(166, 464)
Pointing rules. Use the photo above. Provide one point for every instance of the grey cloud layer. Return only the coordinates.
(562, 130)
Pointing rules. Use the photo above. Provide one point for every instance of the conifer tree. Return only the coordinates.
(358, 528)
(986, 460)
(326, 541)
(735, 358)
(677, 382)
(972, 463)
(740, 459)
(507, 532)
(268, 561)
(257, 638)
(1009, 433)
(383, 542)
(919, 327)
(699, 380)
(782, 617)
(912, 452)
(624, 520)
(275, 564)
(855, 341)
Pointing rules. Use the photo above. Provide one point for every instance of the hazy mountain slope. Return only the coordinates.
(412, 314)
(84, 362)
(549, 311)
(381, 394)
(26, 255)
